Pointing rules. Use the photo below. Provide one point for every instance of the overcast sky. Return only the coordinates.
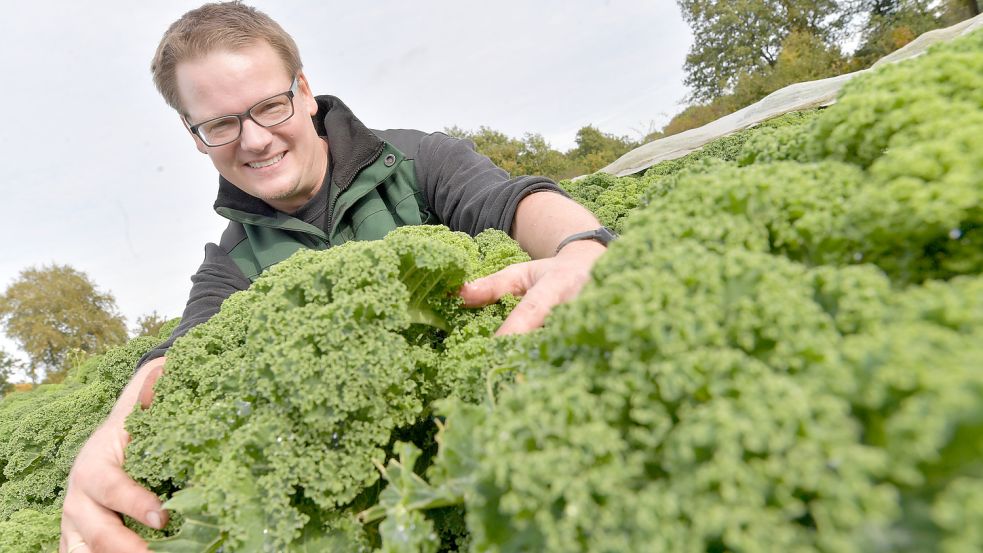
(99, 174)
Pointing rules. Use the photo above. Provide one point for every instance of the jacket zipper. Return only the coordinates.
(331, 215)
(334, 200)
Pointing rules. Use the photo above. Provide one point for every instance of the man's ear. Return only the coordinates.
(304, 89)
(198, 143)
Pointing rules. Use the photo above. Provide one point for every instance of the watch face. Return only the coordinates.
(606, 235)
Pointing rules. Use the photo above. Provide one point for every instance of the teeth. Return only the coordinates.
(267, 163)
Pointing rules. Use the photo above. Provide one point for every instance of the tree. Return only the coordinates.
(529, 156)
(8, 364)
(149, 324)
(532, 155)
(958, 10)
(803, 57)
(745, 51)
(890, 24)
(595, 149)
(745, 36)
(500, 148)
(56, 311)
(538, 158)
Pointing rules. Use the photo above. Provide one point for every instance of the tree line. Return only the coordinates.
(532, 155)
(57, 316)
(742, 51)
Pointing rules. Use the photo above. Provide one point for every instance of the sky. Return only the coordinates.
(99, 174)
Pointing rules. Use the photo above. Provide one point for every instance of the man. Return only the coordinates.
(299, 171)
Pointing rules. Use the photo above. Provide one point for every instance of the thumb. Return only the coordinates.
(146, 396)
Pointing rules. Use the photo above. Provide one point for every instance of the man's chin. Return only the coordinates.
(287, 199)
(269, 191)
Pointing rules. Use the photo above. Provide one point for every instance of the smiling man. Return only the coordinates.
(301, 171)
(274, 156)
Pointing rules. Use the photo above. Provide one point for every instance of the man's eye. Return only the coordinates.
(275, 106)
(221, 126)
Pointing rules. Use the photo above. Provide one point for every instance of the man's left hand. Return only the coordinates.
(542, 284)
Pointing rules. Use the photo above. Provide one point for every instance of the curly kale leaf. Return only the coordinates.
(30, 531)
(766, 360)
(41, 432)
(298, 384)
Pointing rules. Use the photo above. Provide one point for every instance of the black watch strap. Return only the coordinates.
(604, 235)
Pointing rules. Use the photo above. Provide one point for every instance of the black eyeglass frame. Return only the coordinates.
(246, 114)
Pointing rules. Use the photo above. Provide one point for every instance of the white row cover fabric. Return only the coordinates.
(794, 97)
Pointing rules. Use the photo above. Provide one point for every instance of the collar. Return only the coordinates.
(352, 145)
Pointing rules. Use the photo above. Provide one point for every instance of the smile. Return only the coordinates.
(266, 163)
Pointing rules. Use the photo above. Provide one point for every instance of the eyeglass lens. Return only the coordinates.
(267, 113)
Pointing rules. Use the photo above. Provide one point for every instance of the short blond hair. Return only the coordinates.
(216, 26)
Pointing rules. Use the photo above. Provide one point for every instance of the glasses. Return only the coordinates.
(265, 113)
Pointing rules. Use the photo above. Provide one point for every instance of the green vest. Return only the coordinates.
(384, 195)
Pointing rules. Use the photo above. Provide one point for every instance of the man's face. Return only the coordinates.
(282, 165)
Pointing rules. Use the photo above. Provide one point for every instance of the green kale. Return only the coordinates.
(41, 432)
(270, 417)
(779, 354)
(31, 531)
(612, 198)
(782, 352)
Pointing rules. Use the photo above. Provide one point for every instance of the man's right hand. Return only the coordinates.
(98, 488)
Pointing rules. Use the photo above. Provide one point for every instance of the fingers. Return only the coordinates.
(71, 541)
(98, 490)
(146, 396)
(531, 312)
(118, 492)
(514, 279)
(103, 531)
(543, 284)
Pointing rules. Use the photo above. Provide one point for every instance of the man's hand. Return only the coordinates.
(542, 284)
(542, 220)
(99, 489)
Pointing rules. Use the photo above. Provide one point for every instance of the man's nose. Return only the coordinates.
(254, 138)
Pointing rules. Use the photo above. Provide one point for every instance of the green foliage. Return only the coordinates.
(914, 128)
(802, 57)
(762, 415)
(31, 531)
(719, 55)
(8, 364)
(612, 198)
(271, 416)
(596, 149)
(890, 24)
(608, 197)
(150, 324)
(728, 73)
(532, 155)
(781, 353)
(41, 432)
(54, 310)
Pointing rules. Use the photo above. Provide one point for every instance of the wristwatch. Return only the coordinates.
(604, 235)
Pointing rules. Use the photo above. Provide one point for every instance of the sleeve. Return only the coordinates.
(216, 279)
(466, 190)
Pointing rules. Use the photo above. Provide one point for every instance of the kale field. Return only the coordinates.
(783, 352)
